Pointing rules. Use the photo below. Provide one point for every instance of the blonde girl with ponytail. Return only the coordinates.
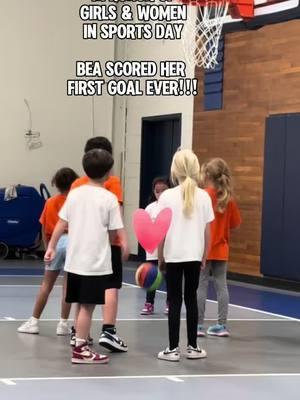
(185, 249)
(217, 180)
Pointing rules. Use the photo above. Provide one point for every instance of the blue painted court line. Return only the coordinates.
(21, 271)
(259, 299)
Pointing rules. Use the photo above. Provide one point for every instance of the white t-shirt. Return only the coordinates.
(91, 211)
(185, 238)
(153, 210)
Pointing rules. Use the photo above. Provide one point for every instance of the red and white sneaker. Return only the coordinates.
(148, 309)
(84, 355)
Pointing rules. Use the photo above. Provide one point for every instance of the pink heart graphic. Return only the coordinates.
(149, 234)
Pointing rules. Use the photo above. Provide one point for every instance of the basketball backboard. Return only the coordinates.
(266, 12)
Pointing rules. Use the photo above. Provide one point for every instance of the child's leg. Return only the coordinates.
(85, 291)
(77, 308)
(73, 333)
(108, 337)
(45, 289)
(150, 296)
(148, 308)
(167, 299)
(58, 264)
(174, 286)
(202, 292)
(51, 273)
(83, 323)
(191, 280)
(65, 307)
(59, 261)
(81, 353)
(110, 308)
(219, 272)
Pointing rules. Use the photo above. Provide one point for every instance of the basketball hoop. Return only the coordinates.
(202, 32)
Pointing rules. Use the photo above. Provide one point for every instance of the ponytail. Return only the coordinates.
(188, 187)
(224, 192)
(185, 170)
(216, 172)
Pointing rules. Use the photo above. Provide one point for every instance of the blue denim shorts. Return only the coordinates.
(59, 261)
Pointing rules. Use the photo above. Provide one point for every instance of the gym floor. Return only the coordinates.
(261, 358)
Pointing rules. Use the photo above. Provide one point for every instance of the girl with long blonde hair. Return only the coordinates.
(185, 249)
(217, 179)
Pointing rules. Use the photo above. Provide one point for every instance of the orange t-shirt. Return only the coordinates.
(221, 226)
(113, 184)
(50, 212)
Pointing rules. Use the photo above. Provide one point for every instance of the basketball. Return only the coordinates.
(148, 276)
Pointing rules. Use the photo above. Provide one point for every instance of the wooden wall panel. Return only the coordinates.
(261, 77)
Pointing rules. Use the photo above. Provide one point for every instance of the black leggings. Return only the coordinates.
(150, 297)
(175, 272)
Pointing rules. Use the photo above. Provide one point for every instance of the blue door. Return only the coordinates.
(280, 244)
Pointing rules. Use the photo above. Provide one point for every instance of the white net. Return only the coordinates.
(202, 33)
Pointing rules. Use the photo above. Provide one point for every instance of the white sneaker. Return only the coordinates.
(169, 355)
(30, 326)
(63, 329)
(193, 353)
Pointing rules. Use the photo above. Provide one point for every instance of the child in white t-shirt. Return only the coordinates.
(185, 250)
(93, 219)
(159, 185)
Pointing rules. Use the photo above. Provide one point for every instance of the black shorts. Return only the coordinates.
(86, 289)
(114, 281)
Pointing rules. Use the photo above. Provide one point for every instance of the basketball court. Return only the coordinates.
(245, 57)
(260, 359)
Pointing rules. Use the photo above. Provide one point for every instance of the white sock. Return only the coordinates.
(34, 320)
(79, 341)
(64, 321)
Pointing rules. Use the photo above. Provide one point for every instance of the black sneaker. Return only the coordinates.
(90, 340)
(112, 342)
(73, 337)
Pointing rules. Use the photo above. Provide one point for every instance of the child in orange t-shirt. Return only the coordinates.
(217, 180)
(63, 180)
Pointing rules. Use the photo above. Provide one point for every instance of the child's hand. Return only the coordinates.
(203, 264)
(49, 255)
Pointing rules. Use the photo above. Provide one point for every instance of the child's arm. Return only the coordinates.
(160, 254)
(44, 237)
(59, 229)
(124, 243)
(43, 223)
(112, 236)
(206, 245)
(235, 216)
(121, 235)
